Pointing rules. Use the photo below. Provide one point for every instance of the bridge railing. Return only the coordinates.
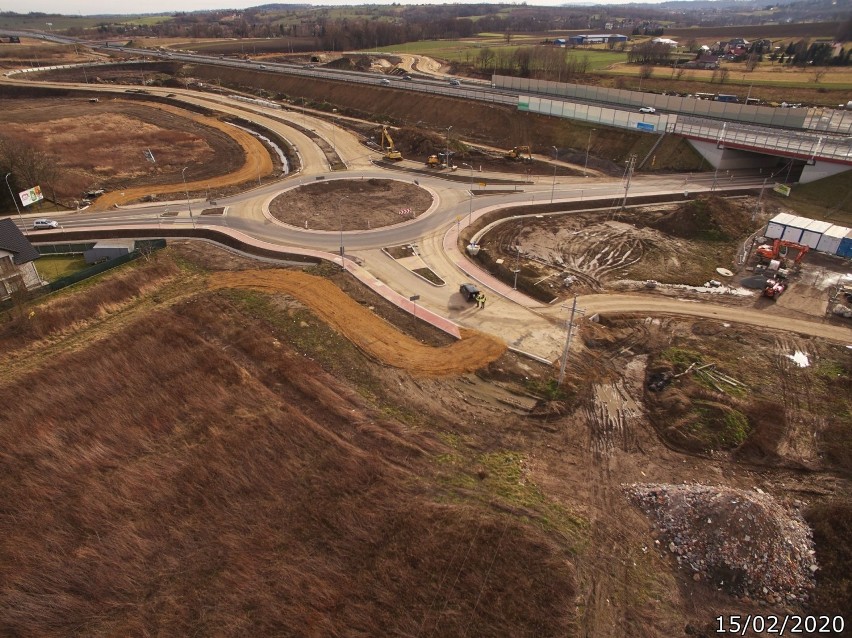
(794, 142)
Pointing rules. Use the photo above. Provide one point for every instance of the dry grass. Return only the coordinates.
(193, 475)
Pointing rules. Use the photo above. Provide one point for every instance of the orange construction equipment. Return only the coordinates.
(779, 247)
(774, 287)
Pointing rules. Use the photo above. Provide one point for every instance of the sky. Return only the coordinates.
(113, 7)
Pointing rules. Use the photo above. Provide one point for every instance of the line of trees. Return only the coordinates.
(539, 62)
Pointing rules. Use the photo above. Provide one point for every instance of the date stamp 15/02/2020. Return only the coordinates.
(785, 625)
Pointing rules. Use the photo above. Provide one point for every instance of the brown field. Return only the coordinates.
(90, 148)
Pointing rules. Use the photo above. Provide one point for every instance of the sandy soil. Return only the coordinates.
(372, 335)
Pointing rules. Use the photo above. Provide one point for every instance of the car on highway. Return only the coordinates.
(384, 81)
(647, 109)
(455, 83)
(41, 224)
(407, 77)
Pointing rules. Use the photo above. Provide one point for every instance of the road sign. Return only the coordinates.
(782, 189)
(414, 297)
(405, 211)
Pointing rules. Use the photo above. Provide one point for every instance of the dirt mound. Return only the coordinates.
(742, 541)
(705, 218)
(418, 142)
(372, 335)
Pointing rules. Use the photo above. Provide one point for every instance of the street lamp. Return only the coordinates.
(470, 199)
(447, 157)
(588, 146)
(553, 185)
(340, 218)
(15, 201)
(185, 190)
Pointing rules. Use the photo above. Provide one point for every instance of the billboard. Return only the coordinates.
(782, 189)
(31, 196)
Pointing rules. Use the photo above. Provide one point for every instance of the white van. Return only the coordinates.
(40, 224)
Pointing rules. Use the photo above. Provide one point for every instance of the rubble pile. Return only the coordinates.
(742, 541)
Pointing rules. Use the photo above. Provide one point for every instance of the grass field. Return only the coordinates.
(55, 267)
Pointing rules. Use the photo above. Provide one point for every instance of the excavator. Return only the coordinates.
(778, 249)
(391, 153)
(517, 153)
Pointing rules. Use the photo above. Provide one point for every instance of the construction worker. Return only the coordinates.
(480, 300)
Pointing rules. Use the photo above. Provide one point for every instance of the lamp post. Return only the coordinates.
(447, 156)
(340, 218)
(588, 146)
(553, 185)
(15, 201)
(185, 190)
(470, 199)
(517, 267)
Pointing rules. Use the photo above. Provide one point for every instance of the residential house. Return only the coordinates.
(17, 261)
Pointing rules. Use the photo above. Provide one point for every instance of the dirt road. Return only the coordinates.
(371, 334)
(628, 304)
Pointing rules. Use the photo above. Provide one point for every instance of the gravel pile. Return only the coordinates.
(744, 542)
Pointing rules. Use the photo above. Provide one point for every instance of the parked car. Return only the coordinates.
(40, 224)
(647, 109)
(469, 292)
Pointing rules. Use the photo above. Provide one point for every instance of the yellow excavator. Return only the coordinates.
(518, 152)
(390, 153)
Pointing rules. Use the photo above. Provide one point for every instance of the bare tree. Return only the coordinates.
(818, 73)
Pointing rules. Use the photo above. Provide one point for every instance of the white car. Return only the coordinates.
(384, 81)
(647, 109)
(39, 224)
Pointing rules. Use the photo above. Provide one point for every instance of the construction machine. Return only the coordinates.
(779, 249)
(433, 161)
(774, 287)
(390, 153)
(517, 153)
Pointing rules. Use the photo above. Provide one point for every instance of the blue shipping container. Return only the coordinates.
(845, 248)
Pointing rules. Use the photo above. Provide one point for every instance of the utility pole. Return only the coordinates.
(759, 197)
(568, 341)
(631, 164)
(588, 147)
